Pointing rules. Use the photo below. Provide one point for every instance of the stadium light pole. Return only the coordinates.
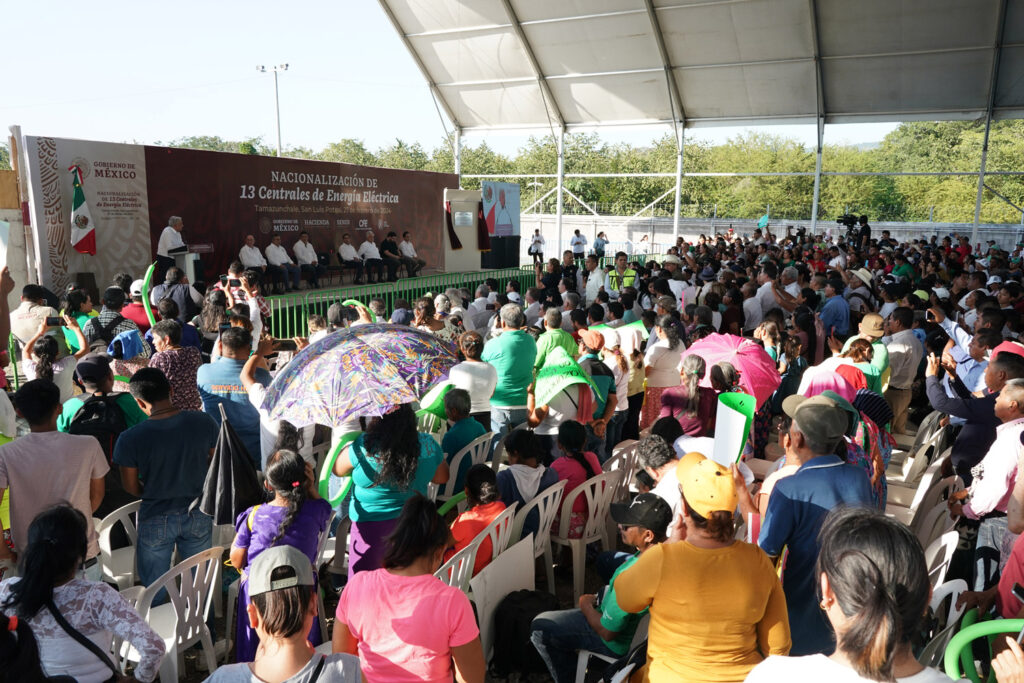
(277, 101)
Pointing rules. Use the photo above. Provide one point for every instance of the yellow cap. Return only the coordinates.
(706, 485)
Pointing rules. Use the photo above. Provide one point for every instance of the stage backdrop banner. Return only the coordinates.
(133, 189)
(114, 182)
(501, 208)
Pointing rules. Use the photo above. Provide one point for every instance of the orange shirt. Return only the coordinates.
(470, 523)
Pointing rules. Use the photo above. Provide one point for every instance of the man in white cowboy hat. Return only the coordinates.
(672, 265)
(858, 290)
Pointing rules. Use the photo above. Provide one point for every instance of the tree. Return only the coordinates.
(403, 155)
(348, 151)
(5, 157)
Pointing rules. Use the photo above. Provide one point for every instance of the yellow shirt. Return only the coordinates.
(715, 614)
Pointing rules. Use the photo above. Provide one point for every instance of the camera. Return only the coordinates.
(847, 219)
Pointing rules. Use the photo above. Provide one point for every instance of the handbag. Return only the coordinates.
(116, 676)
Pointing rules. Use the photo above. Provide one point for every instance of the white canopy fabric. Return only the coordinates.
(526, 64)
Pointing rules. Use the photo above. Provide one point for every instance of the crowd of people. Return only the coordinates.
(863, 336)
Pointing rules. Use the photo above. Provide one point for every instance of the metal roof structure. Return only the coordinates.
(560, 65)
(526, 64)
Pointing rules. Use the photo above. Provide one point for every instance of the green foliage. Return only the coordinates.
(5, 157)
(947, 146)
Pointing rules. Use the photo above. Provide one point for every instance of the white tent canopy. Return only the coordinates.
(522, 64)
(558, 65)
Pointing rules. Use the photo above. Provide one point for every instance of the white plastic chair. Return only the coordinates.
(320, 545)
(546, 504)
(934, 523)
(510, 571)
(939, 554)
(119, 648)
(477, 451)
(583, 659)
(182, 621)
(933, 652)
(119, 566)
(623, 459)
(458, 570)
(598, 492)
(499, 531)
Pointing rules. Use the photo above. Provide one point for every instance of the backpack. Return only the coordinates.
(101, 417)
(105, 334)
(513, 619)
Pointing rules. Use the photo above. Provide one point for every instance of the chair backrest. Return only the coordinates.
(189, 586)
(927, 480)
(126, 516)
(325, 535)
(458, 570)
(926, 429)
(546, 505)
(933, 523)
(939, 554)
(623, 460)
(598, 492)
(119, 647)
(640, 635)
(511, 571)
(499, 531)
(936, 493)
(477, 451)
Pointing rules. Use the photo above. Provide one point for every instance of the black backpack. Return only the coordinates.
(513, 650)
(100, 416)
(105, 334)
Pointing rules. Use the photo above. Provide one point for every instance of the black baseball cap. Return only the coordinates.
(648, 510)
(93, 367)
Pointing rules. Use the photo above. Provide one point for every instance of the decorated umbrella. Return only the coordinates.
(363, 370)
(757, 369)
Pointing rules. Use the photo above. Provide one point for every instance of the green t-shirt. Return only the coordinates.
(879, 354)
(551, 340)
(512, 353)
(69, 334)
(615, 619)
(133, 414)
(906, 270)
(372, 503)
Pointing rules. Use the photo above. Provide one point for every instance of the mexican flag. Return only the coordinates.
(83, 232)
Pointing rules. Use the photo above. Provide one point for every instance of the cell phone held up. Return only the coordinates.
(54, 321)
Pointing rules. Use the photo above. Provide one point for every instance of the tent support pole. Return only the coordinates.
(561, 179)
(981, 180)
(817, 177)
(680, 141)
(458, 154)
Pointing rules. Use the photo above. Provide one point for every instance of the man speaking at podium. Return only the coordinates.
(170, 244)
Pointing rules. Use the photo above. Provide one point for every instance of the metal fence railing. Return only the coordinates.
(289, 313)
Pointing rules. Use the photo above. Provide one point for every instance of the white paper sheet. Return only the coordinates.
(729, 430)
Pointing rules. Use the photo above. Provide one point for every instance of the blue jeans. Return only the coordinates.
(986, 552)
(609, 561)
(595, 444)
(159, 534)
(558, 636)
(613, 434)
(504, 420)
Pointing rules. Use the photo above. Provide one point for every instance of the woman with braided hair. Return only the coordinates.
(296, 516)
(692, 405)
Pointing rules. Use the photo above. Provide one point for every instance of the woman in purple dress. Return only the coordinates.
(296, 517)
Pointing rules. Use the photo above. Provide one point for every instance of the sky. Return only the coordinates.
(147, 72)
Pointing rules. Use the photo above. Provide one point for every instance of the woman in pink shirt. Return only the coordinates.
(402, 621)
